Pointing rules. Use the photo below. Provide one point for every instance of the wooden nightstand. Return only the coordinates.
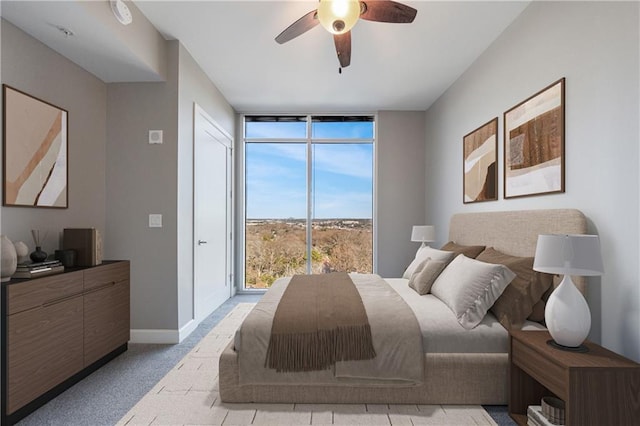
(598, 387)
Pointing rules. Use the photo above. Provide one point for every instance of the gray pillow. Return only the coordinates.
(469, 288)
(422, 280)
(422, 254)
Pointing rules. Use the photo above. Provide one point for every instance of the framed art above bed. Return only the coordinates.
(534, 144)
(480, 154)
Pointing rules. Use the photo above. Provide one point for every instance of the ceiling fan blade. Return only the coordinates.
(387, 11)
(299, 27)
(343, 48)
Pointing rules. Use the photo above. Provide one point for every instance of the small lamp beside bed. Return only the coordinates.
(567, 314)
(423, 234)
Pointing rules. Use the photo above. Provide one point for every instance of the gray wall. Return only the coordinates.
(142, 179)
(400, 188)
(32, 67)
(596, 47)
(194, 87)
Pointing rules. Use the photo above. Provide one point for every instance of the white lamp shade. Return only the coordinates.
(423, 234)
(568, 255)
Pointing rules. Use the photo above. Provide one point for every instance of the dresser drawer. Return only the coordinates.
(550, 375)
(106, 274)
(42, 291)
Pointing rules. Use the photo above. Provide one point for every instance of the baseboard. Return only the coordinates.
(187, 329)
(163, 337)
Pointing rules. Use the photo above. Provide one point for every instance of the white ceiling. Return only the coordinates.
(393, 66)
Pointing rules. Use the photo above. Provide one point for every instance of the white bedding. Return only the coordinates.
(441, 332)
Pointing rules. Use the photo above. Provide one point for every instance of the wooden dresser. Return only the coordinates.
(58, 329)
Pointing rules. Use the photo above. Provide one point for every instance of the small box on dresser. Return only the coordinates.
(87, 243)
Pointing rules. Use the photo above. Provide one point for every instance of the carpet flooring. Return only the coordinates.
(111, 394)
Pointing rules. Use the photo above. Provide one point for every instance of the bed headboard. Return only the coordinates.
(516, 232)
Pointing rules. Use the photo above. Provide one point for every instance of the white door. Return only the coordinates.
(212, 215)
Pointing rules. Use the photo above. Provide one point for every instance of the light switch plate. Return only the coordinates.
(155, 221)
(155, 137)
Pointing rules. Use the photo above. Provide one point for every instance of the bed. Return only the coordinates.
(459, 366)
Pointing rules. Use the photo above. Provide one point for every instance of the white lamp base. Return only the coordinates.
(567, 315)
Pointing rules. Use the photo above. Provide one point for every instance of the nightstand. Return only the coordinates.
(598, 387)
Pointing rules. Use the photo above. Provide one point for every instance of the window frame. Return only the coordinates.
(308, 141)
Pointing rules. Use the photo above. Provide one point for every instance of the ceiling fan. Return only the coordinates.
(339, 16)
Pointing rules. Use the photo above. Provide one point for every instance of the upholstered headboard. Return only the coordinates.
(516, 232)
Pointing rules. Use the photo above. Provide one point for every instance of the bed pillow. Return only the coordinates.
(425, 275)
(469, 288)
(416, 272)
(424, 253)
(516, 303)
(469, 251)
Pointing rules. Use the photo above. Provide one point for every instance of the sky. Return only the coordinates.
(276, 173)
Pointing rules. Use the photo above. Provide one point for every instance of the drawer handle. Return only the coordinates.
(101, 287)
(61, 299)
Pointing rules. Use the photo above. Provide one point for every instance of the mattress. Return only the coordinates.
(441, 332)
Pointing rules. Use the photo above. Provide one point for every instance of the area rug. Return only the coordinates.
(188, 395)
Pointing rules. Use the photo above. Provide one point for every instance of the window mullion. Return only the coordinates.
(309, 194)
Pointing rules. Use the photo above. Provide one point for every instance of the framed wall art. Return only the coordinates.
(35, 152)
(534, 144)
(480, 154)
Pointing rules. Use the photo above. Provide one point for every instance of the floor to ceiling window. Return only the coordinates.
(308, 196)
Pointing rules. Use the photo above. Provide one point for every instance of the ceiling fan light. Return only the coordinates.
(338, 16)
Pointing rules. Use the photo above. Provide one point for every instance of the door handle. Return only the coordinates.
(201, 242)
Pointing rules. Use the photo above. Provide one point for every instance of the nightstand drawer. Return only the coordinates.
(552, 376)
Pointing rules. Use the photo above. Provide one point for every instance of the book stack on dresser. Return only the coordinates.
(38, 269)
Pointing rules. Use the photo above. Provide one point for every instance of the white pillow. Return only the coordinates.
(470, 287)
(422, 254)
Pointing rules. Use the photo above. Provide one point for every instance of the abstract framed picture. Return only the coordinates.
(534, 144)
(480, 154)
(35, 152)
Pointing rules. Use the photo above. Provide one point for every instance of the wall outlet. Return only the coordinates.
(155, 137)
(155, 221)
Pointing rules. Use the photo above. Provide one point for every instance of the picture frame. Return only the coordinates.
(35, 152)
(480, 163)
(534, 144)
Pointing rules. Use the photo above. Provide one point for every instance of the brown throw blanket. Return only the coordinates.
(320, 320)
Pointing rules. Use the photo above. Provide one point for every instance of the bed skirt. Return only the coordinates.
(449, 379)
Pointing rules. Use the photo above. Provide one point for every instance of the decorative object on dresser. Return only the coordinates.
(423, 234)
(598, 387)
(567, 314)
(22, 251)
(479, 163)
(38, 255)
(66, 257)
(35, 152)
(9, 258)
(87, 243)
(534, 144)
(56, 330)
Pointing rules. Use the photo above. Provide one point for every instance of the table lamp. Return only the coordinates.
(567, 314)
(423, 234)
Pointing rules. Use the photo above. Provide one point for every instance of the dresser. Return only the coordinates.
(58, 329)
